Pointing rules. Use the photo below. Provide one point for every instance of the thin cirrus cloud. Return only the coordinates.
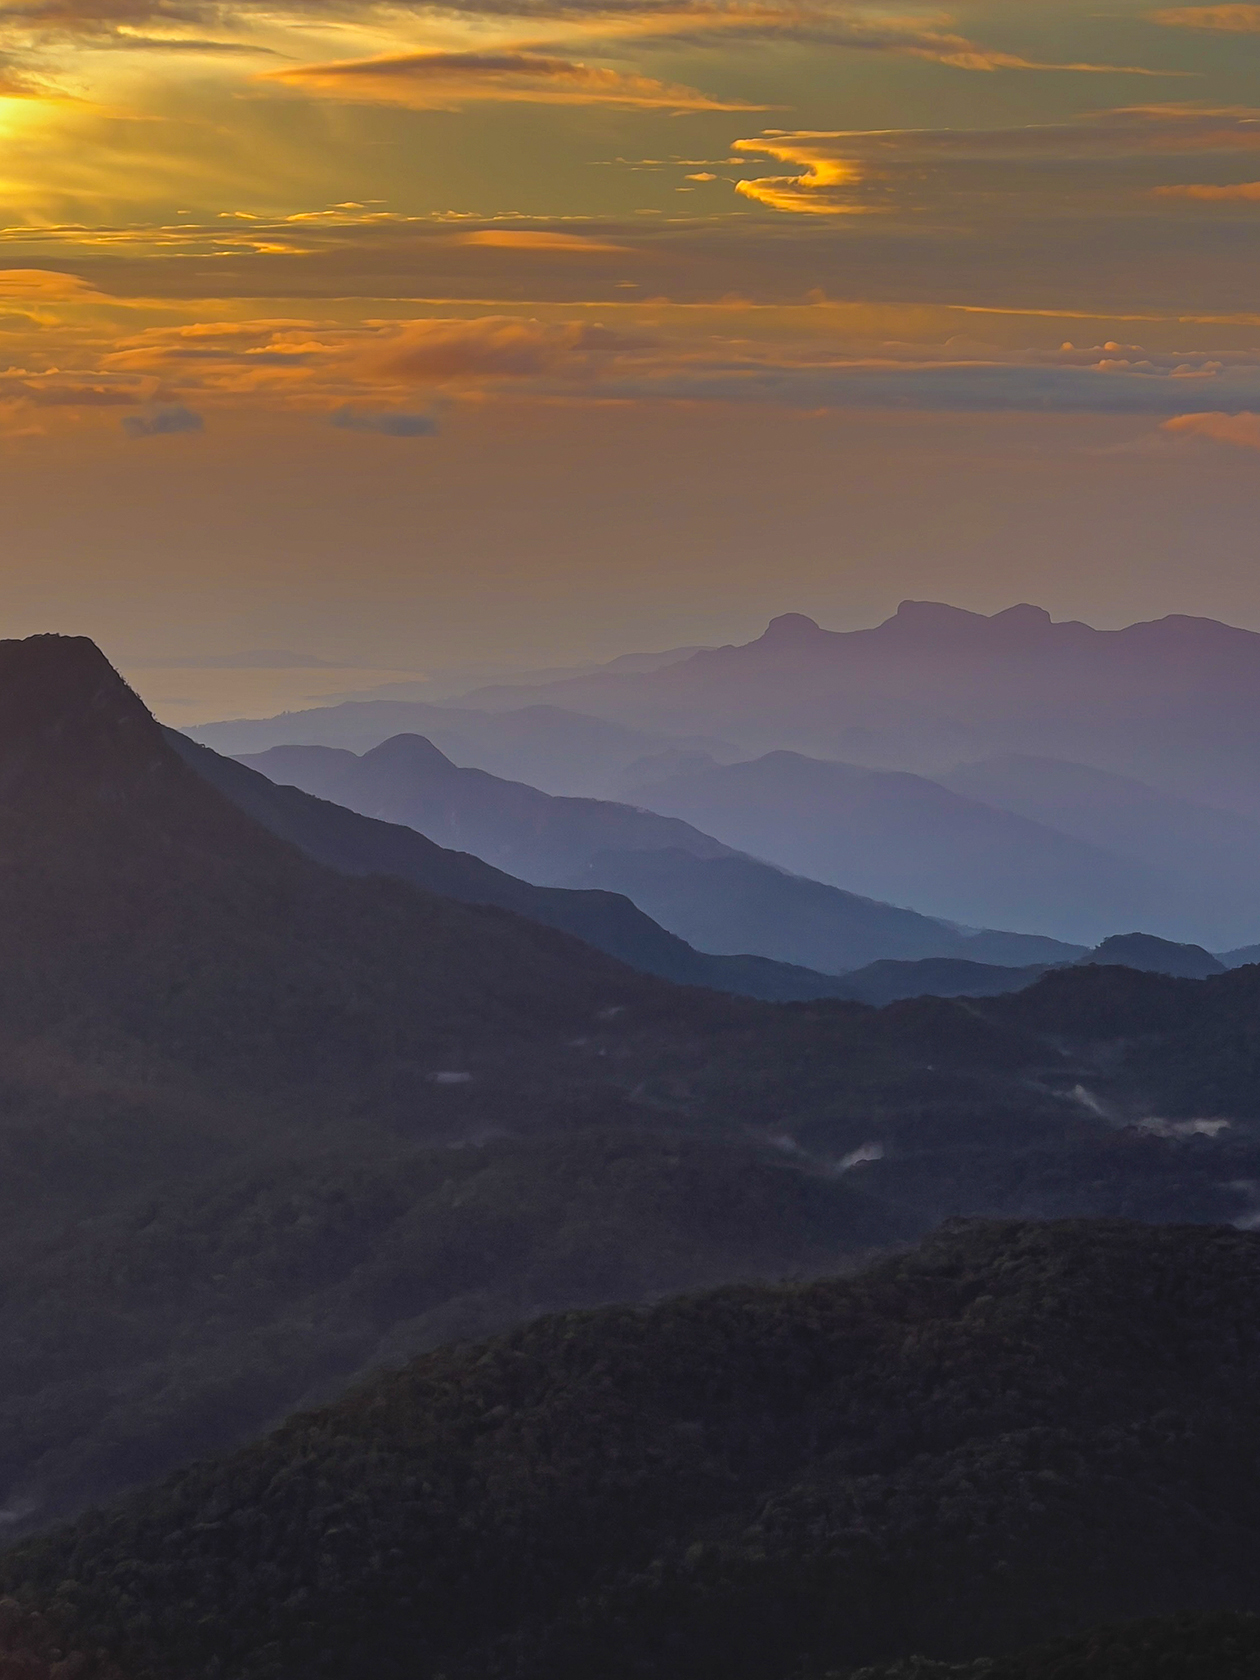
(821, 26)
(1210, 193)
(498, 347)
(446, 80)
(1229, 19)
(548, 240)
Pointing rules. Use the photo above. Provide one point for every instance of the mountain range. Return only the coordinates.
(1103, 778)
(550, 747)
(700, 889)
(269, 1124)
(1173, 702)
(362, 845)
(905, 838)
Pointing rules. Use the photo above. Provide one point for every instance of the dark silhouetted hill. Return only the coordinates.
(1012, 1435)
(1220, 1646)
(1156, 956)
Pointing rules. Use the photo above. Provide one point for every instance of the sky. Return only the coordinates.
(525, 331)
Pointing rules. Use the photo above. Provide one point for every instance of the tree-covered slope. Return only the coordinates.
(1013, 1434)
(1224, 1645)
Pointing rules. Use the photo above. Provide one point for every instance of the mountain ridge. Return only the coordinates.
(1170, 701)
(698, 887)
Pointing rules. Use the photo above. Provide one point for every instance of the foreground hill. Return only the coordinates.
(1220, 1646)
(1015, 1433)
(144, 912)
(699, 888)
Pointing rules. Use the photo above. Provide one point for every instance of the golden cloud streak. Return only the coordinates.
(523, 239)
(1232, 19)
(445, 80)
(803, 194)
(1244, 191)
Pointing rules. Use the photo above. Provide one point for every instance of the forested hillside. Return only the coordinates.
(1013, 1434)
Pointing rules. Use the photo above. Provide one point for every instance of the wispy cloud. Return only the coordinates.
(1207, 193)
(544, 240)
(446, 80)
(844, 172)
(162, 420)
(841, 27)
(385, 422)
(497, 347)
(1229, 19)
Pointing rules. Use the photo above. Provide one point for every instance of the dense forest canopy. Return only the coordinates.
(1011, 1434)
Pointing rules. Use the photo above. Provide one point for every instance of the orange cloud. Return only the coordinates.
(825, 185)
(523, 239)
(1237, 190)
(43, 285)
(1241, 430)
(498, 347)
(445, 80)
(1233, 20)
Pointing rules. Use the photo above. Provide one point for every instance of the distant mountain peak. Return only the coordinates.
(409, 749)
(939, 615)
(932, 614)
(1158, 956)
(790, 629)
(1023, 616)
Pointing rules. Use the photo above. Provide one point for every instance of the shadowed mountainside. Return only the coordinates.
(1224, 1645)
